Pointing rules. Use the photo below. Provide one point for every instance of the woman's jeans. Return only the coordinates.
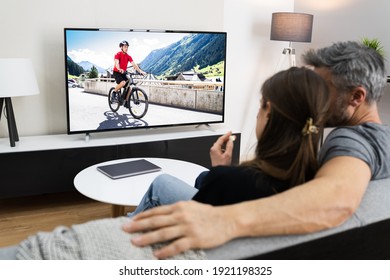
(8, 253)
(164, 190)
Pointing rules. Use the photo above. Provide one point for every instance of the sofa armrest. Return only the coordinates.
(369, 242)
(371, 221)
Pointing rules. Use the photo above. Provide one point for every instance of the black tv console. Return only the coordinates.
(48, 164)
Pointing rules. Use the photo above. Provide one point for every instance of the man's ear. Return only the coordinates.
(358, 96)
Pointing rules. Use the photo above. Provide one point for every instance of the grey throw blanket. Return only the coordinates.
(97, 240)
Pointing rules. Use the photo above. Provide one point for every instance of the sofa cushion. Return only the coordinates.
(374, 207)
(370, 242)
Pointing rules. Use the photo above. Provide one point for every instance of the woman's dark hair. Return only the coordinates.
(286, 150)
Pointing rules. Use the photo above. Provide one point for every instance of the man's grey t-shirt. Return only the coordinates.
(369, 142)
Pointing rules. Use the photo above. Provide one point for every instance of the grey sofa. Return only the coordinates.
(364, 236)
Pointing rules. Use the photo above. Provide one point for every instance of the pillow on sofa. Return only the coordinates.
(375, 207)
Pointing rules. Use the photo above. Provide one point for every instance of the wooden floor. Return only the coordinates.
(21, 217)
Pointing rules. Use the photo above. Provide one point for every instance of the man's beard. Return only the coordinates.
(339, 115)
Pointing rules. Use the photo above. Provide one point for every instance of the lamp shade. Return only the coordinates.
(292, 27)
(17, 77)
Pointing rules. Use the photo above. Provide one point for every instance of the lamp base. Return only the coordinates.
(290, 52)
(12, 130)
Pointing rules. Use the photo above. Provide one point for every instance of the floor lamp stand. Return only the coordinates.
(287, 52)
(12, 130)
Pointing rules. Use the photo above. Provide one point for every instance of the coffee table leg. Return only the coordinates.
(117, 210)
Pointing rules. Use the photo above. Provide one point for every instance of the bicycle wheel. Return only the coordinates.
(113, 100)
(138, 103)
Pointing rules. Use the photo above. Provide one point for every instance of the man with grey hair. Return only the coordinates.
(354, 153)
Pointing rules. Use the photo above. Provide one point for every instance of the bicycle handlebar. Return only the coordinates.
(133, 74)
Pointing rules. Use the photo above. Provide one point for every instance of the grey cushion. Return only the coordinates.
(375, 207)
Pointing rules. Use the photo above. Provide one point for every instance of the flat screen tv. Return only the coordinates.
(183, 83)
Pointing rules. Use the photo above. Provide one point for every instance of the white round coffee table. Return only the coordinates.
(130, 190)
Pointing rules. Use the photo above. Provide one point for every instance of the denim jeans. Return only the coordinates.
(8, 253)
(165, 189)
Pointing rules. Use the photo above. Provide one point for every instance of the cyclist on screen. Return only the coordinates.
(121, 60)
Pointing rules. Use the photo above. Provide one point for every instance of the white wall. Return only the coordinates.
(252, 58)
(342, 20)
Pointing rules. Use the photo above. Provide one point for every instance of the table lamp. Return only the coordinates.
(291, 27)
(17, 78)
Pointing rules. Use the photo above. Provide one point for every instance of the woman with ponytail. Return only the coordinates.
(293, 111)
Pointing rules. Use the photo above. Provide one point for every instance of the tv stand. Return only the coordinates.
(48, 164)
(206, 125)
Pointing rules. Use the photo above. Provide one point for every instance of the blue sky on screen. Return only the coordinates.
(99, 47)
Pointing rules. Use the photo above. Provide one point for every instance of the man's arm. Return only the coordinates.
(137, 68)
(116, 63)
(326, 201)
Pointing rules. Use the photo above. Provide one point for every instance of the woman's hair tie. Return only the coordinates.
(309, 128)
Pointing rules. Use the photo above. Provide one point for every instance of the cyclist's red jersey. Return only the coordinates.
(124, 59)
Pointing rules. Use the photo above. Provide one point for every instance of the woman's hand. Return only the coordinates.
(222, 150)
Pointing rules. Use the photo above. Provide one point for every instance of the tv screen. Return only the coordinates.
(172, 78)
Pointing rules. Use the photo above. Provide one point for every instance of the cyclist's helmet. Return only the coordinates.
(121, 44)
